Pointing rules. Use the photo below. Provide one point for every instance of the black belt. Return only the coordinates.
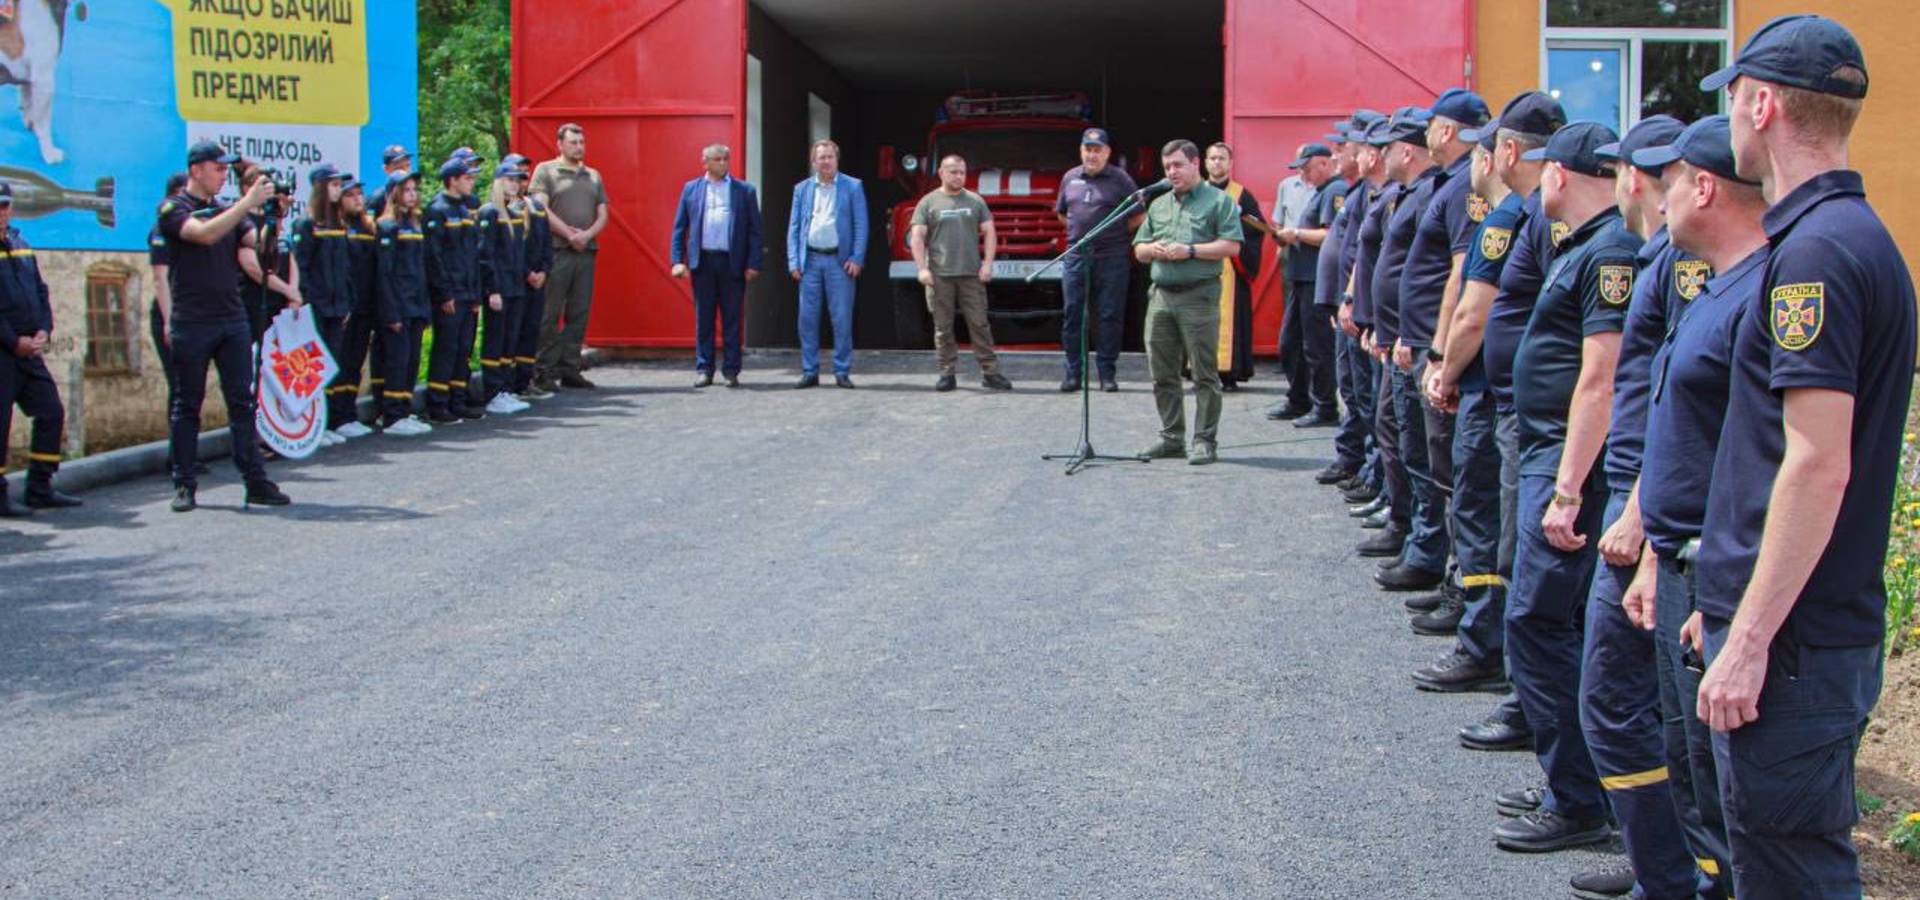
(828, 252)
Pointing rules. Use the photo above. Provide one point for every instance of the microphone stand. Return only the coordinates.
(1084, 453)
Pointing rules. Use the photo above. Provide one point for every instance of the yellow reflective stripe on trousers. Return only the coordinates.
(1635, 780)
(1481, 581)
(43, 457)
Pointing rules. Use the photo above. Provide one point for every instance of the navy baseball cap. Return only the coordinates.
(1096, 137)
(349, 183)
(210, 151)
(1532, 112)
(1576, 147)
(397, 179)
(1307, 153)
(323, 172)
(1652, 131)
(1379, 134)
(467, 154)
(508, 170)
(454, 168)
(1460, 105)
(515, 159)
(1802, 51)
(394, 154)
(1707, 144)
(1337, 139)
(6, 194)
(1409, 123)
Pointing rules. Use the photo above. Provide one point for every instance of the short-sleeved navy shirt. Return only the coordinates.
(1443, 229)
(1087, 199)
(1834, 312)
(1303, 261)
(1587, 292)
(158, 253)
(1688, 403)
(1337, 253)
(1488, 249)
(205, 277)
(1403, 217)
(1520, 282)
(1659, 293)
(1373, 233)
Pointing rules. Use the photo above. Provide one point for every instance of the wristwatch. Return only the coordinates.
(1560, 499)
(1435, 355)
(1193, 252)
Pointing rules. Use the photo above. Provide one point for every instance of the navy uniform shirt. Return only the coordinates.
(1669, 279)
(1303, 261)
(539, 237)
(1336, 254)
(1087, 199)
(363, 238)
(1520, 282)
(1403, 217)
(1835, 312)
(322, 255)
(205, 277)
(24, 302)
(1586, 293)
(158, 253)
(402, 274)
(503, 244)
(453, 251)
(1688, 403)
(1373, 233)
(1445, 226)
(1487, 254)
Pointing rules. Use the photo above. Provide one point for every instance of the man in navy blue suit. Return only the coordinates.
(826, 248)
(716, 240)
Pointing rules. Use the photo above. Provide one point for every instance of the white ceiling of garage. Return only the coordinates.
(914, 44)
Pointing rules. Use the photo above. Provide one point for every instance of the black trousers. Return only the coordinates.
(26, 383)
(350, 352)
(499, 332)
(526, 344)
(163, 354)
(1306, 352)
(228, 347)
(448, 367)
(400, 368)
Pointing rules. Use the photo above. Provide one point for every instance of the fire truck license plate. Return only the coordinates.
(1021, 268)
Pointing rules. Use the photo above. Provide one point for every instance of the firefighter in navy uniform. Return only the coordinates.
(26, 326)
(1790, 583)
(453, 263)
(401, 304)
(321, 256)
(503, 233)
(526, 344)
(359, 338)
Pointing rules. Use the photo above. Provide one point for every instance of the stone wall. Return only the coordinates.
(105, 409)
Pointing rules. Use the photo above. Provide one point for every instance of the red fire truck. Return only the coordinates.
(1017, 148)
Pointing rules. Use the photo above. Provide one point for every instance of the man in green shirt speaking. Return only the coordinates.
(953, 243)
(1186, 235)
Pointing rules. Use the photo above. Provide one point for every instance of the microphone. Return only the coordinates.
(1153, 190)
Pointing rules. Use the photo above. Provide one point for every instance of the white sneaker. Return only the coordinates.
(501, 405)
(328, 439)
(518, 404)
(353, 430)
(410, 426)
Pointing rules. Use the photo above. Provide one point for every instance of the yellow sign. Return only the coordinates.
(271, 61)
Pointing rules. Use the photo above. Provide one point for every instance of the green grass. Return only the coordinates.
(1905, 836)
(1903, 546)
(1868, 803)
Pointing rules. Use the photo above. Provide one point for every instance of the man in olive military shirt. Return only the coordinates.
(1186, 235)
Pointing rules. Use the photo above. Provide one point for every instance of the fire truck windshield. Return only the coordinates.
(1048, 149)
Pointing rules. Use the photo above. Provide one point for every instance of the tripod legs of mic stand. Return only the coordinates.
(1084, 454)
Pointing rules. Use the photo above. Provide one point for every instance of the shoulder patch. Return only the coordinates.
(166, 207)
(1339, 204)
(1495, 241)
(1798, 311)
(1616, 284)
(1690, 277)
(1558, 232)
(1478, 207)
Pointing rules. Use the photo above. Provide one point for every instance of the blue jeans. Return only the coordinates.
(1688, 741)
(227, 346)
(1352, 442)
(1620, 718)
(717, 290)
(823, 278)
(1545, 609)
(1426, 546)
(1787, 777)
(1108, 279)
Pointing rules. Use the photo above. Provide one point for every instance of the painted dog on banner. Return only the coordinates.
(31, 35)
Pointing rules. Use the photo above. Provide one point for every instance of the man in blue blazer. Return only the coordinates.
(826, 248)
(717, 239)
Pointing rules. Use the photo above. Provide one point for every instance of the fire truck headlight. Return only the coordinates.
(910, 162)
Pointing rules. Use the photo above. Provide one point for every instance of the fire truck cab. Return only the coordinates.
(1017, 148)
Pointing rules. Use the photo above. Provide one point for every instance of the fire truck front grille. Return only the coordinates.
(1028, 229)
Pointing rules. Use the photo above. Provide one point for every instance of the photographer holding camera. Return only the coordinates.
(268, 261)
(208, 323)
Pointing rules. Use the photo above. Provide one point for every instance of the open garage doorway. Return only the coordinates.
(1010, 84)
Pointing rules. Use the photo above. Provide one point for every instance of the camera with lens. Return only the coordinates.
(283, 188)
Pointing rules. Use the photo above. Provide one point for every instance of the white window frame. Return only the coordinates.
(1632, 40)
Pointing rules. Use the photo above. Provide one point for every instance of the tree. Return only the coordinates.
(465, 48)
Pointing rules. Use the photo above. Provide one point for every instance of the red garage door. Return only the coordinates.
(1293, 66)
(647, 79)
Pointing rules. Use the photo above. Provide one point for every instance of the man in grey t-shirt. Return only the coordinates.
(953, 244)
